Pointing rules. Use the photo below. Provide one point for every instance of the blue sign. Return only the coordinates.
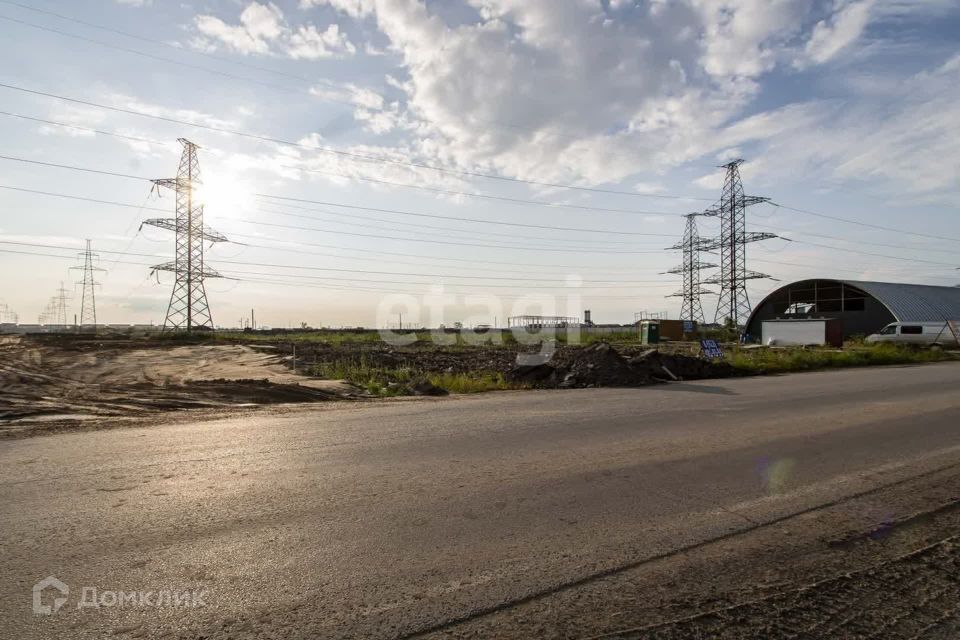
(689, 326)
(711, 349)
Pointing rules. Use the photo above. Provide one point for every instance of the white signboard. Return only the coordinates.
(794, 333)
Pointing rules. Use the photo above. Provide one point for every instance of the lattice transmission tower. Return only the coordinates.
(55, 312)
(88, 301)
(8, 315)
(734, 303)
(188, 307)
(692, 245)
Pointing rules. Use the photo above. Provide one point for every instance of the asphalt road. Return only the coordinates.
(387, 519)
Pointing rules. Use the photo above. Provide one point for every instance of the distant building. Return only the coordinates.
(863, 307)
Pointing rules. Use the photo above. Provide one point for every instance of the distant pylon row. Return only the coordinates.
(55, 313)
(734, 302)
(8, 315)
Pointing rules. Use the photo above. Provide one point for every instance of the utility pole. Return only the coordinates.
(734, 303)
(188, 307)
(690, 269)
(88, 302)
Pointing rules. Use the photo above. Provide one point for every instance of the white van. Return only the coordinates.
(919, 333)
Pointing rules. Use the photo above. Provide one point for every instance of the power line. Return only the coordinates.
(432, 282)
(151, 56)
(479, 287)
(453, 192)
(404, 185)
(77, 127)
(73, 197)
(473, 263)
(312, 268)
(288, 89)
(405, 228)
(408, 213)
(428, 241)
(878, 255)
(351, 206)
(154, 41)
(857, 241)
(73, 168)
(383, 290)
(470, 261)
(867, 224)
(476, 220)
(440, 217)
(356, 156)
(371, 159)
(140, 207)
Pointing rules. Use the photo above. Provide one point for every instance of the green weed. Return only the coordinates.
(760, 361)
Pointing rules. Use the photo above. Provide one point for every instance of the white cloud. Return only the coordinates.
(311, 44)
(836, 33)
(907, 145)
(135, 3)
(355, 8)
(592, 94)
(743, 37)
(263, 30)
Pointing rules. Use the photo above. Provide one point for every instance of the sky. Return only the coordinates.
(470, 160)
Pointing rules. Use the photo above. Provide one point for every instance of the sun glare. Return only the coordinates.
(224, 195)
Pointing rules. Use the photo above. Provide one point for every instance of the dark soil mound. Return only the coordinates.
(600, 365)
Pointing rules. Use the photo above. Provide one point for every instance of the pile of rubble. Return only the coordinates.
(600, 365)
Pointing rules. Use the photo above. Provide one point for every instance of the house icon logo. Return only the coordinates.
(49, 582)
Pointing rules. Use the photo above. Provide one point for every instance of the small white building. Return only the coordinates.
(802, 332)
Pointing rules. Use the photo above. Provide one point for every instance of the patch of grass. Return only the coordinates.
(327, 337)
(473, 382)
(387, 382)
(761, 361)
(361, 372)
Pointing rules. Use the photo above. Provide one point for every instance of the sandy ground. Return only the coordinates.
(46, 383)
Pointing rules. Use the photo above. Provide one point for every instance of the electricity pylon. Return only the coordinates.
(188, 307)
(8, 315)
(88, 301)
(734, 303)
(55, 312)
(691, 246)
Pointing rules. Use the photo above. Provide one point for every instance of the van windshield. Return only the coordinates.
(888, 330)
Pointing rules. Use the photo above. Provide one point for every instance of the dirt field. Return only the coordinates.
(61, 381)
(50, 382)
(57, 381)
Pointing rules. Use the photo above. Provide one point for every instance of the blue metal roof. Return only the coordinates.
(913, 302)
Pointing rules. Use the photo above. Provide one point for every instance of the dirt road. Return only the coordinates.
(810, 506)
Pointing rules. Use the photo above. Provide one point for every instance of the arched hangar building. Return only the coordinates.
(864, 307)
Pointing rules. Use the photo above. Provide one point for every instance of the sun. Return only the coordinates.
(224, 196)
